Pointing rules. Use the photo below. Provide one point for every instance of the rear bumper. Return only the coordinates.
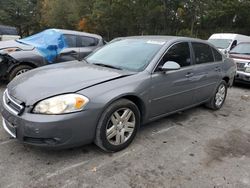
(242, 76)
(51, 131)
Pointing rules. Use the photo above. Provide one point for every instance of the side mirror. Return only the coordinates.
(170, 66)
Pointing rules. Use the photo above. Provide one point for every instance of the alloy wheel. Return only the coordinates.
(120, 126)
(21, 71)
(220, 95)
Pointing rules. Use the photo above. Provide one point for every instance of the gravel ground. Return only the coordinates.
(195, 148)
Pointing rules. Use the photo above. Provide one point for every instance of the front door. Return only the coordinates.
(173, 90)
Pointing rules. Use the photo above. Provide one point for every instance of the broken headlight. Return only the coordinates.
(9, 50)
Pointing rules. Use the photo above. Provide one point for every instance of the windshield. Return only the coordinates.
(220, 43)
(128, 54)
(243, 48)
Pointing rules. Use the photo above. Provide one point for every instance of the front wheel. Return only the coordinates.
(219, 97)
(18, 71)
(117, 126)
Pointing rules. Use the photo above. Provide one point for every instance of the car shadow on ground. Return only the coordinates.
(242, 85)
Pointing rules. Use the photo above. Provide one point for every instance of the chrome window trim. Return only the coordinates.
(166, 51)
(7, 106)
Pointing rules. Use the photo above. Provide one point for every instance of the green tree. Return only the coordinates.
(21, 14)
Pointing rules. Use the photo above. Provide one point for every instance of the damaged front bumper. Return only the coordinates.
(6, 63)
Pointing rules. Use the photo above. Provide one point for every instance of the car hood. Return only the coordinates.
(14, 44)
(53, 80)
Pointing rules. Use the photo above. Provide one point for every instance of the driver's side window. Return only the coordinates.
(179, 53)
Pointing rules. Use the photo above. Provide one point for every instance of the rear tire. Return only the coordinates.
(219, 97)
(20, 69)
(117, 126)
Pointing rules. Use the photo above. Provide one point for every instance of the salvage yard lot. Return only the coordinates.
(196, 148)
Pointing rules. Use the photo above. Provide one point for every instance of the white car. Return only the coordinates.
(8, 33)
(227, 41)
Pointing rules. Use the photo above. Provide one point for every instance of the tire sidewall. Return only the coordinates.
(14, 71)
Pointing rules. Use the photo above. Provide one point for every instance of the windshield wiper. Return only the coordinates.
(109, 66)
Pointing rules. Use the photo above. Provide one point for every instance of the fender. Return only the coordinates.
(14, 59)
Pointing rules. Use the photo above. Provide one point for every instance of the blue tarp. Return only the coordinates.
(49, 43)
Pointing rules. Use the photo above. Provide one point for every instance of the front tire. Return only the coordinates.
(117, 126)
(18, 71)
(219, 97)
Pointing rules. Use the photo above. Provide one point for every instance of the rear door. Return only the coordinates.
(86, 45)
(207, 70)
(173, 90)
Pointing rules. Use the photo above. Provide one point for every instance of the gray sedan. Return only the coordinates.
(105, 98)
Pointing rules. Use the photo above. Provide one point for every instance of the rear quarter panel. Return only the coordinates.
(229, 70)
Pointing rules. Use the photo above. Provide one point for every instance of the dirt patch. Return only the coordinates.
(245, 97)
(235, 143)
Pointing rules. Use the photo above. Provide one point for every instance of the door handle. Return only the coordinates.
(189, 74)
(69, 53)
(73, 53)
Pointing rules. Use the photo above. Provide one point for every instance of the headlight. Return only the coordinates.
(247, 69)
(61, 104)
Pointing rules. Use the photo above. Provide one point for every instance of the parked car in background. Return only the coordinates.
(106, 97)
(241, 56)
(227, 41)
(48, 47)
(8, 33)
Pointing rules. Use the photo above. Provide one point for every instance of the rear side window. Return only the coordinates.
(179, 53)
(87, 41)
(70, 40)
(203, 53)
(217, 55)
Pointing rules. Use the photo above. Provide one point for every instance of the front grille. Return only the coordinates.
(11, 104)
(241, 66)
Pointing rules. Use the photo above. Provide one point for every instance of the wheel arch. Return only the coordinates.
(136, 100)
(139, 103)
(33, 65)
(227, 80)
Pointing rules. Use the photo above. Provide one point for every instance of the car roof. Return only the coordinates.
(72, 32)
(244, 43)
(163, 38)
